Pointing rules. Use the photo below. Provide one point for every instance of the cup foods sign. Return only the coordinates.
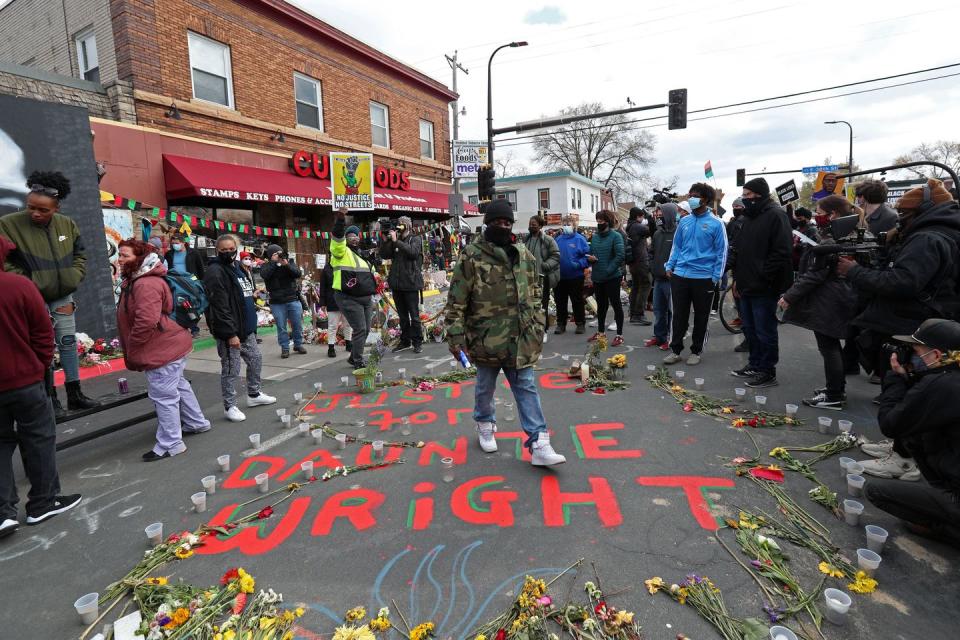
(468, 155)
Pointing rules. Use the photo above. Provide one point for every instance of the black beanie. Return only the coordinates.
(636, 212)
(759, 186)
(498, 209)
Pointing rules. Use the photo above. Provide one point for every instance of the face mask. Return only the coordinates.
(247, 262)
(568, 229)
(694, 202)
(227, 257)
(601, 226)
(737, 212)
(917, 363)
(750, 205)
(823, 221)
(499, 236)
(177, 246)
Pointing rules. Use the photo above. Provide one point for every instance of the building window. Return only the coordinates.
(579, 199)
(509, 196)
(426, 139)
(473, 199)
(210, 69)
(543, 199)
(87, 59)
(380, 124)
(309, 97)
(573, 198)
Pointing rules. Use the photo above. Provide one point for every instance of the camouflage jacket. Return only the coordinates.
(494, 306)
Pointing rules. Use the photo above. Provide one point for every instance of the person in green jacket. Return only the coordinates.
(51, 253)
(547, 254)
(493, 315)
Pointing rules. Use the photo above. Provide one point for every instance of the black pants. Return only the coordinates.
(408, 307)
(570, 290)
(36, 434)
(919, 503)
(640, 290)
(832, 354)
(699, 293)
(545, 302)
(608, 294)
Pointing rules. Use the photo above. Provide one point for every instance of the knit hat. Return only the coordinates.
(737, 202)
(271, 250)
(157, 242)
(914, 198)
(498, 209)
(759, 186)
(354, 229)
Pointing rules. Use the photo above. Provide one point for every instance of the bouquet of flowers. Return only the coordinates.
(93, 352)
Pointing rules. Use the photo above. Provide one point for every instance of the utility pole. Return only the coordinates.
(454, 66)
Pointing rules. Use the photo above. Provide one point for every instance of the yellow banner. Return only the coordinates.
(352, 177)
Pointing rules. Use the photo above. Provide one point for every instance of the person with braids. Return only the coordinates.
(50, 252)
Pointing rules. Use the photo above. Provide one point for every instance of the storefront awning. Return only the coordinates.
(192, 178)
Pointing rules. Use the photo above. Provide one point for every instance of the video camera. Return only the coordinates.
(662, 196)
(386, 225)
(853, 241)
(904, 351)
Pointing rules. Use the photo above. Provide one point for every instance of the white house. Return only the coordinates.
(556, 193)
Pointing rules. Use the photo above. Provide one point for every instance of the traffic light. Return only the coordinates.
(678, 109)
(486, 182)
(741, 177)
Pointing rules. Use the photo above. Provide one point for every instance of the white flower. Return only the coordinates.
(589, 623)
(383, 613)
(770, 542)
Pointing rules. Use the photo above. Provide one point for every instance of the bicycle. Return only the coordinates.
(729, 315)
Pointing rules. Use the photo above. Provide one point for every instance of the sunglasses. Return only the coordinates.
(47, 191)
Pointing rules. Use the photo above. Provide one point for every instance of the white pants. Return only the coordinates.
(335, 319)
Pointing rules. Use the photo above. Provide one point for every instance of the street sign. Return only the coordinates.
(468, 156)
(818, 169)
(787, 192)
(455, 204)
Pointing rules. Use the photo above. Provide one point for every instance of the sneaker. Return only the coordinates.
(561, 329)
(612, 326)
(285, 353)
(301, 350)
(543, 453)
(580, 329)
(349, 345)
(60, 504)
(233, 414)
(713, 312)
(665, 346)
(821, 400)
(8, 526)
(736, 322)
(880, 449)
(763, 379)
(545, 337)
(331, 351)
(643, 322)
(743, 347)
(488, 441)
(652, 342)
(673, 358)
(259, 399)
(745, 372)
(593, 323)
(418, 348)
(891, 466)
(694, 359)
(617, 341)
(911, 476)
(403, 346)
(594, 337)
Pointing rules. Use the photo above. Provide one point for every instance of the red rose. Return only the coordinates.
(501, 635)
(265, 513)
(230, 576)
(580, 390)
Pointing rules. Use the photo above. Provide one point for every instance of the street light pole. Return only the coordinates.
(490, 97)
(849, 157)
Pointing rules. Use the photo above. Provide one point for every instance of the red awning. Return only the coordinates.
(192, 177)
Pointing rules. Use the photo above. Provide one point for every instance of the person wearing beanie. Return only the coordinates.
(405, 252)
(494, 317)
(734, 225)
(762, 271)
(281, 277)
(354, 283)
(639, 230)
(662, 247)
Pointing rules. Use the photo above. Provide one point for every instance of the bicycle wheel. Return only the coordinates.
(729, 316)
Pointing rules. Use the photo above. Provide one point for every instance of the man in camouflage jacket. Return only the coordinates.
(493, 315)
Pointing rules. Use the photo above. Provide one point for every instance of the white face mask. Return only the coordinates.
(568, 229)
(247, 262)
(177, 246)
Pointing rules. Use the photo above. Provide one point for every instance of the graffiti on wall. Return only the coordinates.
(117, 226)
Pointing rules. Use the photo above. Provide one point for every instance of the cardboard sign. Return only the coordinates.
(787, 192)
(352, 178)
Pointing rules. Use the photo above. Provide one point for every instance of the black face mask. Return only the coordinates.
(602, 226)
(499, 236)
(226, 257)
(751, 206)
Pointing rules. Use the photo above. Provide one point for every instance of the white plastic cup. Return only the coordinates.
(782, 633)
(838, 604)
(792, 409)
(698, 383)
(868, 561)
(263, 482)
(651, 368)
(845, 426)
(298, 397)
(87, 607)
(318, 387)
(876, 537)
(199, 500)
(344, 381)
(405, 425)
(281, 412)
(824, 424)
(154, 533)
(760, 400)
(341, 441)
(845, 462)
(378, 449)
(740, 392)
(255, 440)
(307, 468)
(855, 485)
(402, 373)
(855, 468)
(224, 462)
(453, 364)
(209, 484)
(680, 374)
(304, 429)
(285, 421)
(446, 465)
(317, 436)
(851, 512)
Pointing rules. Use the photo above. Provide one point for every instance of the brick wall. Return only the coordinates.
(25, 82)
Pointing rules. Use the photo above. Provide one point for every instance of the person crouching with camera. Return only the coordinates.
(917, 410)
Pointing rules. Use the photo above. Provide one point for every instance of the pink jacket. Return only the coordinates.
(149, 337)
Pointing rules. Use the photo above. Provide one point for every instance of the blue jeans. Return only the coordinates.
(294, 312)
(65, 329)
(524, 388)
(662, 310)
(759, 317)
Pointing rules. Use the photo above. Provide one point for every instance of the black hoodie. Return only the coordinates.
(761, 263)
(663, 240)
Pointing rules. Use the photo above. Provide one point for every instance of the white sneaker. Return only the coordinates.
(544, 338)
(543, 453)
(878, 449)
(233, 414)
(8, 526)
(260, 399)
(612, 326)
(673, 358)
(893, 466)
(485, 431)
(693, 360)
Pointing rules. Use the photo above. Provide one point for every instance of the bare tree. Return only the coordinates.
(942, 151)
(607, 149)
(508, 165)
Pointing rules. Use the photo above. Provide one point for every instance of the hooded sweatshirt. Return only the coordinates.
(573, 255)
(26, 333)
(663, 240)
(699, 247)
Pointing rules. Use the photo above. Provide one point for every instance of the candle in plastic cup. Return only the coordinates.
(698, 382)
(317, 436)
(845, 426)
(307, 468)
(760, 400)
(255, 440)
(453, 364)
(838, 603)
(154, 533)
(782, 633)
(868, 561)
(281, 412)
(263, 482)
(651, 368)
(844, 463)
(285, 421)
(740, 393)
(304, 429)
(378, 449)
(224, 462)
(297, 397)
(87, 607)
(405, 425)
(341, 441)
(792, 409)
(825, 424)
(209, 484)
(318, 387)
(343, 381)
(851, 512)
(402, 373)
(855, 485)
(680, 374)
(446, 464)
(876, 537)
(199, 500)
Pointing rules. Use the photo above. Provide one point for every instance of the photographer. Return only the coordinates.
(916, 410)
(280, 277)
(405, 251)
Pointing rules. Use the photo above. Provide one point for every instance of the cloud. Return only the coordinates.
(545, 15)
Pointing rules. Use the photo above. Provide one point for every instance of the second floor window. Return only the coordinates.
(573, 198)
(380, 124)
(579, 199)
(87, 59)
(543, 199)
(426, 139)
(309, 101)
(210, 68)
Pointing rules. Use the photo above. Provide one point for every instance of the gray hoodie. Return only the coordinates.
(663, 240)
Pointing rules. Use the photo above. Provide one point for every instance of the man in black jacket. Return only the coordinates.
(232, 318)
(405, 251)
(638, 230)
(917, 410)
(281, 276)
(762, 271)
(734, 226)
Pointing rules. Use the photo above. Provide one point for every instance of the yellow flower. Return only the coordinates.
(380, 624)
(654, 584)
(356, 614)
(777, 452)
(229, 634)
(299, 611)
(726, 410)
(287, 616)
(480, 636)
(682, 594)
(266, 623)
(739, 422)
(773, 467)
(177, 618)
(247, 583)
(353, 633)
(157, 581)
(183, 552)
(863, 583)
(676, 388)
(422, 631)
(830, 570)
(623, 617)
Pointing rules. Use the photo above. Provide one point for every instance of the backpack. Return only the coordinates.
(189, 298)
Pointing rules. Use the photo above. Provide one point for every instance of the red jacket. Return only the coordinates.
(26, 333)
(149, 337)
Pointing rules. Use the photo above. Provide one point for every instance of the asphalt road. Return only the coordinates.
(639, 497)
